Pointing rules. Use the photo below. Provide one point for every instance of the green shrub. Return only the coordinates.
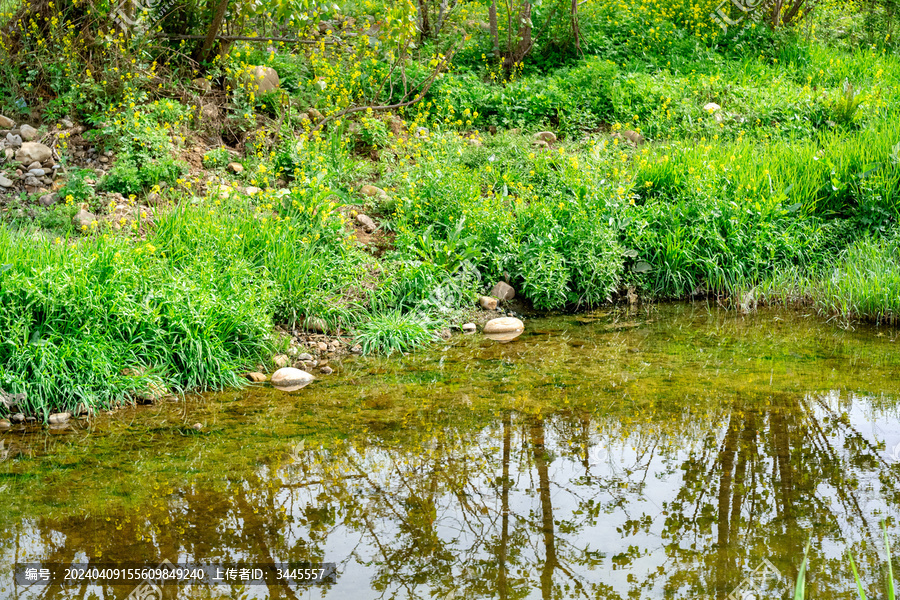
(216, 158)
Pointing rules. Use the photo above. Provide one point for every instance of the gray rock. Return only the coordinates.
(49, 199)
(372, 191)
(6, 122)
(58, 418)
(367, 223)
(36, 172)
(17, 418)
(503, 291)
(84, 218)
(66, 124)
(316, 324)
(305, 357)
(32, 181)
(356, 349)
(28, 132)
(488, 303)
(326, 370)
(33, 151)
(290, 379)
(202, 84)
(13, 140)
(5, 183)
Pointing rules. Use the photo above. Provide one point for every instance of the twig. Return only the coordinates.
(245, 38)
(427, 83)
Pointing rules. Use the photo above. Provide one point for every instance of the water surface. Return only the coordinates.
(669, 453)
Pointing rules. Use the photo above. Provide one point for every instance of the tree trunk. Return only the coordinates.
(213, 30)
(495, 35)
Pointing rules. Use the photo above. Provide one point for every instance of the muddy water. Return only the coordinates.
(684, 452)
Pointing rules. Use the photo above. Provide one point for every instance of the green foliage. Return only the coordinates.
(76, 189)
(76, 314)
(393, 331)
(216, 158)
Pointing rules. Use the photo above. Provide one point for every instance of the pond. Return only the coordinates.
(678, 452)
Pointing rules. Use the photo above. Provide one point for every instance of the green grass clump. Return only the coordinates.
(393, 331)
(100, 320)
(865, 282)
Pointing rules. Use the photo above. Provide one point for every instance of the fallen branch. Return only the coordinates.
(245, 38)
(427, 83)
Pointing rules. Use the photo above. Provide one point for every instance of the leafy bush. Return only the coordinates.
(216, 158)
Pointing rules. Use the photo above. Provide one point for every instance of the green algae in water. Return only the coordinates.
(659, 455)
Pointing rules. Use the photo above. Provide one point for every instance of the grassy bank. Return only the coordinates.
(672, 159)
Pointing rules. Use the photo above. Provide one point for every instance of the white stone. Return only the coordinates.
(289, 379)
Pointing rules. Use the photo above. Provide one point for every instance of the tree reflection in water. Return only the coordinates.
(522, 508)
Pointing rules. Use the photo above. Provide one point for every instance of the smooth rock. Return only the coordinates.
(4, 424)
(504, 325)
(197, 426)
(261, 80)
(9, 153)
(202, 84)
(5, 183)
(290, 379)
(58, 418)
(34, 165)
(28, 132)
(503, 291)
(104, 159)
(36, 172)
(33, 151)
(372, 191)
(236, 168)
(322, 346)
(66, 124)
(305, 357)
(488, 303)
(545, 136)
(17, 418)
(316, 325)
(84, 218)
(326, 370)
(281, 360)
(633, 136)
(49, 199)
(256, 377)
(504, 329)
(13, 140)
(711, 107)
(32, 181)
(6, 122)
(469, 328)
(367, 222)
